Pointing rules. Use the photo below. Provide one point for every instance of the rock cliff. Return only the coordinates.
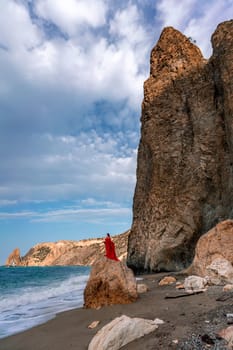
(65, 252)
(185, 157)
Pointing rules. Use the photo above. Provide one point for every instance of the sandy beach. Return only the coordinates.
(191, 322)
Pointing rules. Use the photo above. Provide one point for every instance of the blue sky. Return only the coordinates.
(71, 87)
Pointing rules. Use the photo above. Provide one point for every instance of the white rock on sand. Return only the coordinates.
(195, 284)
(121, 331)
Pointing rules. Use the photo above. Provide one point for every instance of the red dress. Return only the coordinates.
(110, 249)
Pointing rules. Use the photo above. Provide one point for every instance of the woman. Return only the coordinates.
(110, 248)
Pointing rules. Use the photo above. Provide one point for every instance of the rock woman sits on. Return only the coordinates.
(110, 248)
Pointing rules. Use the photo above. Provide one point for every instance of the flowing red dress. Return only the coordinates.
(110, 249)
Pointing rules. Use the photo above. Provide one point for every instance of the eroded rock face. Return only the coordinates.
(215, 244)
(110, 282)
(185, 157)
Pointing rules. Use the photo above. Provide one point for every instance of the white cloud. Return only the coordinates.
(85, 68)
(103, 71)
(17, 31)
(127, 25)
(51, 86)
(93, 202)
(114, 75)
(68, 167)
(174, 13)
(69, 214)
(90, 215)
(69, 15)
(7, 202)
(57, 79)
(202, 27)
(15, 215)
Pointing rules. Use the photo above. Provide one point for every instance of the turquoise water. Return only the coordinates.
(32, 295)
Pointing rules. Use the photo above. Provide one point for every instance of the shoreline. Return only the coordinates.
(182, 316)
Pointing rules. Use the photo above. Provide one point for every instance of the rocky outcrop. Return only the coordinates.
(65, 252)
(185, 157)
(110, 282)
(215, 244)
(14, 258)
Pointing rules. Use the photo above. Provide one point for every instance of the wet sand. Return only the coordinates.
(185, 318)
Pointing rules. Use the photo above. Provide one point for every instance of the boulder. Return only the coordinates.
(121, 331)
(184, 169)
(216, 243)
(220, 272)
(110, 282)
(195, 284)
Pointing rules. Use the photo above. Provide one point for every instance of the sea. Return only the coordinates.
(30, 296)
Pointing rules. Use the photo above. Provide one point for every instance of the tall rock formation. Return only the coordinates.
(185, 157)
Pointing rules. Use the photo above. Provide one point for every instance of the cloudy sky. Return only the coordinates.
(71, 87)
